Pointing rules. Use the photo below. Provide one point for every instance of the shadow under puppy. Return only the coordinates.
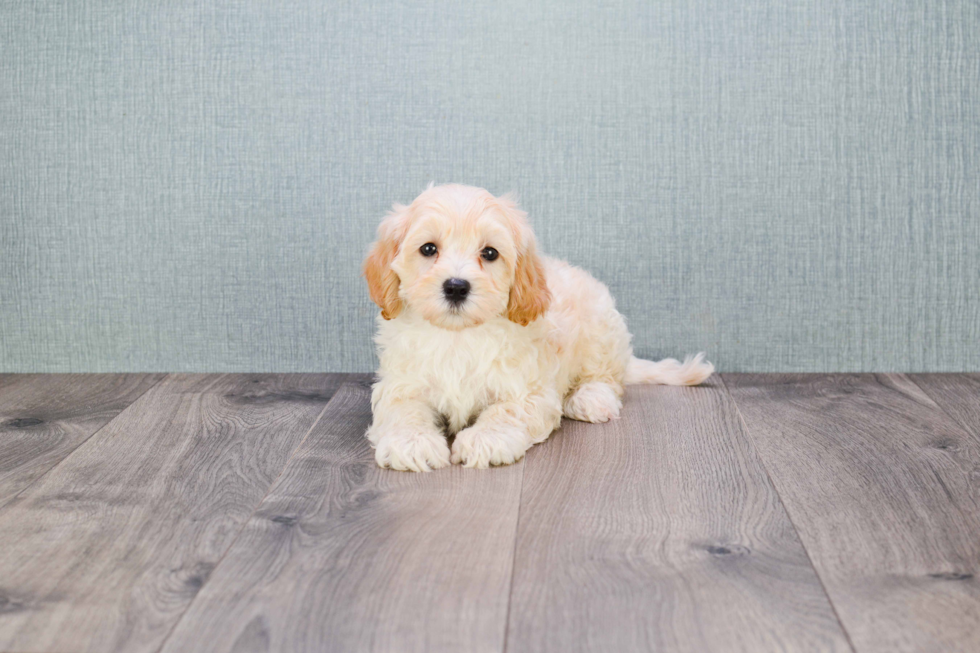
(481, 334)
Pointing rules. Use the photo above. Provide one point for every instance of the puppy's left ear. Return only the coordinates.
(382, 281)
(529, 294)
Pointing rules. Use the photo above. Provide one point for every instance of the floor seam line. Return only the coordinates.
(513, 558)
(251, 514)
(789, 516)
(68, 455)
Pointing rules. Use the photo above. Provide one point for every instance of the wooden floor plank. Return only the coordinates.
(957, 394)
(883, 488)
(345, 556)
(44, 417)
(106, 551)
(661, 532)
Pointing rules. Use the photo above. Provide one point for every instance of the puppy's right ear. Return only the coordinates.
(382, 281)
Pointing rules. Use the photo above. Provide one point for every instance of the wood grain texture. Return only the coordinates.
(883, 488)
(44, 417)
(957, 394)
(660, 531)
(106, 552)
(345, 556)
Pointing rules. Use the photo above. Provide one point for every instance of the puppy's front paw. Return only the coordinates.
(417, 452)
(482, 446)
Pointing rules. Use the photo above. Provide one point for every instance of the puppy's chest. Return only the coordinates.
(462, 372)
(465, 371)
(460, 388)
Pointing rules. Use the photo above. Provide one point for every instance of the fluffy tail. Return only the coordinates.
(692, 371)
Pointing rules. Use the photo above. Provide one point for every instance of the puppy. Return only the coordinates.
(482, 337)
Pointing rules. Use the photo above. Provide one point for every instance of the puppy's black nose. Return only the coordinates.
(456, 290)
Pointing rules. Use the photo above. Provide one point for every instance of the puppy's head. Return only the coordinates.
(458, 256)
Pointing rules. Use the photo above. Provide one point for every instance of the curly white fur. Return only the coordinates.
(535, 339)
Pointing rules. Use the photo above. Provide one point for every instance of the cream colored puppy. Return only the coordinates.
(482, 337)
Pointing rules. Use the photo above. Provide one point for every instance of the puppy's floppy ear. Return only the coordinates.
(382, 281)
(529, 294)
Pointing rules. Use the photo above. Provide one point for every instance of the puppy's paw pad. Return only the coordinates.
(593, 402)
(482, 447)
(415, 453)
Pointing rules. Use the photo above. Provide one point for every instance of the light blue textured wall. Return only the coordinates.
(788, 185)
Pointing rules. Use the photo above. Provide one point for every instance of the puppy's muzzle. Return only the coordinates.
(456, 290)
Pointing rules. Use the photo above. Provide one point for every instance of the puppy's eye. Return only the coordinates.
(489, 254)
(428, 249)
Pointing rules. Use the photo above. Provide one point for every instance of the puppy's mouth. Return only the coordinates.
(455, 316)
(455, 308)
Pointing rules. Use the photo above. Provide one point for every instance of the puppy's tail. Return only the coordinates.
(669, 371)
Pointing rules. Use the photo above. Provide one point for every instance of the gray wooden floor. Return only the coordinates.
(245, 513)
